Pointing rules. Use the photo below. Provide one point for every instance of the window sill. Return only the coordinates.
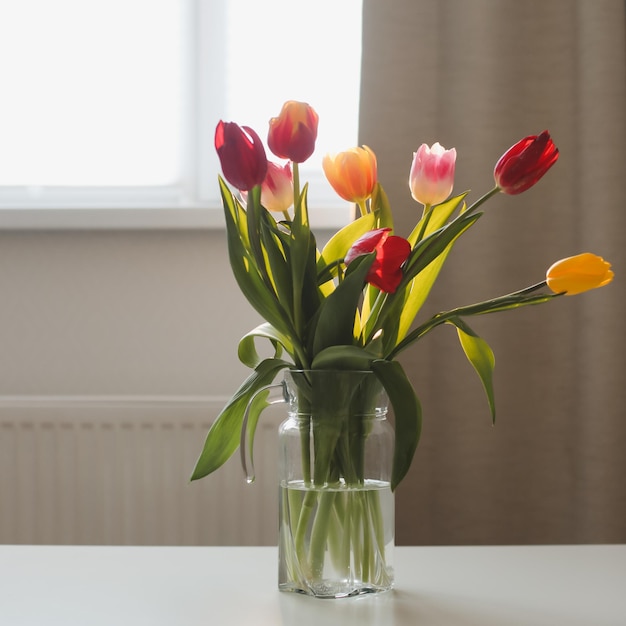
(181, 218)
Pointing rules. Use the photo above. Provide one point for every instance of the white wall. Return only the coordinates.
(139, 313)
(134, 336)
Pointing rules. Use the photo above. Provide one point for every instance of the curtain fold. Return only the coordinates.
(478, 76)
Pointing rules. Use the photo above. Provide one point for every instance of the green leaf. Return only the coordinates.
(245, 268)
(395, 311)
(439, 215)
(408, 415)
(480, 355)
(335, 323)
(339, 244)
(381, 207)
(247, 349)
(277, 268)
(303, 265)
(224, 435)
(344, 358)
(421, 285)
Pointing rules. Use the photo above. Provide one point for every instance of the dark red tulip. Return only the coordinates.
(241, 154)
(523, 164)
(293, 133)
(391, 252)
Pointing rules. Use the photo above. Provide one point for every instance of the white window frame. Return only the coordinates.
(193, 204)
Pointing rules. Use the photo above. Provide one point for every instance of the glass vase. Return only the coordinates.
(336, 507)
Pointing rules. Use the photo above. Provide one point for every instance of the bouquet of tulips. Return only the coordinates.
(354, 304)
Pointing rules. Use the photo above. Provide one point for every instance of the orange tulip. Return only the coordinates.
(352, 173)
(579, 273)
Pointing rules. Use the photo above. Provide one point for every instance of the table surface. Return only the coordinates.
(224, 586)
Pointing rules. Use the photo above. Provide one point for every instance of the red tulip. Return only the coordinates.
(391, 252)
(523, 164)
(293, 133)
(241, 154)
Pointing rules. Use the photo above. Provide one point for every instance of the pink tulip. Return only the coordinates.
(432, 174)
(277, 188)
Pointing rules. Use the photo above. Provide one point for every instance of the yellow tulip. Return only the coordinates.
(579, 273)
(352, 174)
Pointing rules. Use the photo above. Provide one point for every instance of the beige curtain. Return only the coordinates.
(478, 75)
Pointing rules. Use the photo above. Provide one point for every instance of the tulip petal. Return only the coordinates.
(578, 274)
(525, 163)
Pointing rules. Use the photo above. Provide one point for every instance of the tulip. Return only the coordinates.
(241, 155)
(277, 188)
(352, 174)
(391, 252)
(579, 273)
(293, 133)
(523, 164)
(432, 174)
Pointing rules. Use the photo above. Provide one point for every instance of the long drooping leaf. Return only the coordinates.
(480, 355)
(223, 436)
(407, 412)
(247, 350)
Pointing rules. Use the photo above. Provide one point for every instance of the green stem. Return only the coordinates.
(319, 532)
(366, 541)
(482, 200)
(295, 169)
(428, 211)
(513, 300)
(308, 505)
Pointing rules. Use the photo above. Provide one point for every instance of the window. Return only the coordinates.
(109, 106)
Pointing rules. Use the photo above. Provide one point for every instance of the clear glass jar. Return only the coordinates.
(336, 507)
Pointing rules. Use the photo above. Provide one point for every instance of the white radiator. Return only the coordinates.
(116, 471)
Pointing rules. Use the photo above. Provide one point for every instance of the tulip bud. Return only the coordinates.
(277, 188)
(241, 155)
(352, 173)
(293, 133)
(432, 174)
(579, 273)
(523, 164)
(391, 253)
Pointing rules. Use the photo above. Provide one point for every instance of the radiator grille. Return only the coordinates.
(85, 471)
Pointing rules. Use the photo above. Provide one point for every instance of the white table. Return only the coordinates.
(443, 586)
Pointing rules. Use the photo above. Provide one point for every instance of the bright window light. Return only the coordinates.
(112, 104)
(92, 92)
(307, 51)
